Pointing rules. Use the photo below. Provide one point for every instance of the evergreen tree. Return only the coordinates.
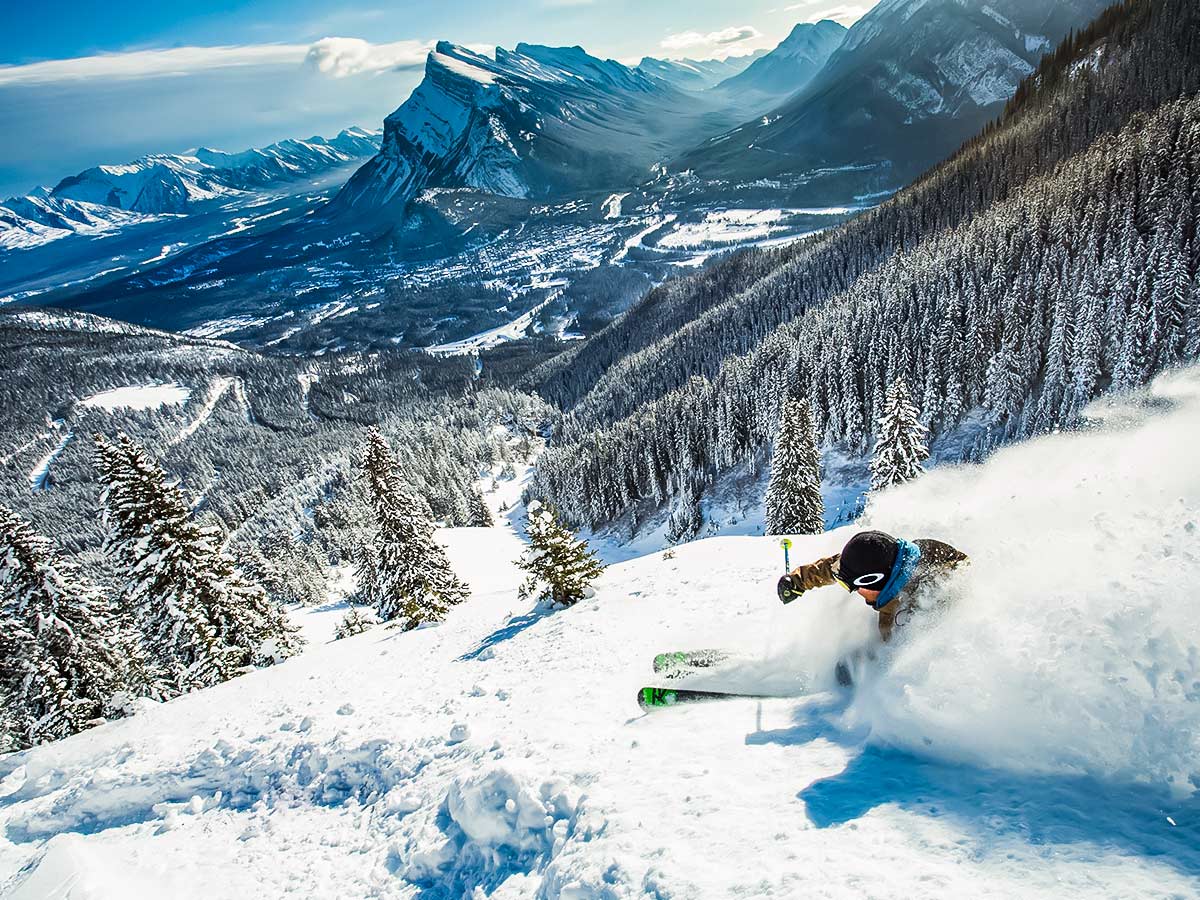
(296, 582)
(794, 502)
(59, 666)
(354, 622)
(200, 620)
(405, 573)
(688, 518)
(900, 445)
(560, 566)
(478, 514)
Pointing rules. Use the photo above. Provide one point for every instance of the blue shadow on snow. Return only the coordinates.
(509, 630)
(1037, 809)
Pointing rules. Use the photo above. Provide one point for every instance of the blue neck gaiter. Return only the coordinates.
(907, 558)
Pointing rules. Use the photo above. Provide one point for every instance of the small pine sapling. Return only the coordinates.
(561, 567)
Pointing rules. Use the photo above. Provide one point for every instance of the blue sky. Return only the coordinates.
(83, 83)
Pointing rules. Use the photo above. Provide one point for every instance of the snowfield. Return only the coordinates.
(1039, 739)
(139, 396)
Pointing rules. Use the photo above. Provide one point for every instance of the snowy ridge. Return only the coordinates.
(909, 80)
(790, 66)
(697, 75)
(525, 123)
(106, 198)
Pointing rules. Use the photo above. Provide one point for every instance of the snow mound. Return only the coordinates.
(495, 827)
(1073, 645)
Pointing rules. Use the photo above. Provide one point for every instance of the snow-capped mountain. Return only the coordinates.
(790, 66)
(910, 82)
(529, 123)
(697, 74)
(108, 197)
(39, 218)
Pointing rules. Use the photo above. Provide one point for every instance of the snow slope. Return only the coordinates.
(1037, 740)
(139, 396)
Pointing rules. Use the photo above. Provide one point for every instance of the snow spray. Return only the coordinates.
(1070, 643)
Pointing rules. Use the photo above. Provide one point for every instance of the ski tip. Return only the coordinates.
(668, 660)
(652, 697)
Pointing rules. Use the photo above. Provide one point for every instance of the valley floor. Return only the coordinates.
(502, 754)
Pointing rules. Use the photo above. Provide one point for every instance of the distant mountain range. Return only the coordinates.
(909, 83)
(103, 198)
(534, 122)
(697, 75)
(537, 175)
(789, 67)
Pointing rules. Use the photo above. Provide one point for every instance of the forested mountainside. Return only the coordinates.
(1052, 258)
(729, 308)
(264, 446)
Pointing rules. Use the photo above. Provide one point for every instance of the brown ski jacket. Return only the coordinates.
(937, 560)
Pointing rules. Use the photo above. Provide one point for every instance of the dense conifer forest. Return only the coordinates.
(1052, 259)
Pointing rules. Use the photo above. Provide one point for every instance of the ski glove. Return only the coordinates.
(789, 589)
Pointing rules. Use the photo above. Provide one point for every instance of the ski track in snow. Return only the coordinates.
(510, 331)
(41, 472)
(216, 392)
(636, 240)
(307, 380)
(501, 754)
(9, 457)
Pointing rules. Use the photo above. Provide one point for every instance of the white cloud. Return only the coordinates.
(337, 57)
(841, 11)
(684, 40)
(340, 57)
(149, 63)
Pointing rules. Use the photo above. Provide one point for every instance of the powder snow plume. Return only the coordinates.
(1073, 644)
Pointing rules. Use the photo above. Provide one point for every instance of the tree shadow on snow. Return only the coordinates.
(510, 629)
(1039, 810)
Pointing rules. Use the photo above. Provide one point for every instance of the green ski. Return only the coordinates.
(655, 697)
(682, 663)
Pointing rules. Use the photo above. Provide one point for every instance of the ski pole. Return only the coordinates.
(786, 545)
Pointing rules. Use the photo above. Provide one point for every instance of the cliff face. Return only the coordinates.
(529, 123)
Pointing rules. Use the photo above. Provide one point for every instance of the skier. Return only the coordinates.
(887, 572)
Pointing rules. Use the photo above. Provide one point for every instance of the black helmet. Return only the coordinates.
(867, 560)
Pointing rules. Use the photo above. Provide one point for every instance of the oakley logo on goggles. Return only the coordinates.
(863, 581)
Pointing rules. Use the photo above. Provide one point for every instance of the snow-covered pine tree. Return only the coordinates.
(199, 619)
(900, 444)
(794, 502)
(297, 580)
(354, 622)
(688, 518)
(59, 666)
(560, 565)
(479, 516)
(405, 574)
